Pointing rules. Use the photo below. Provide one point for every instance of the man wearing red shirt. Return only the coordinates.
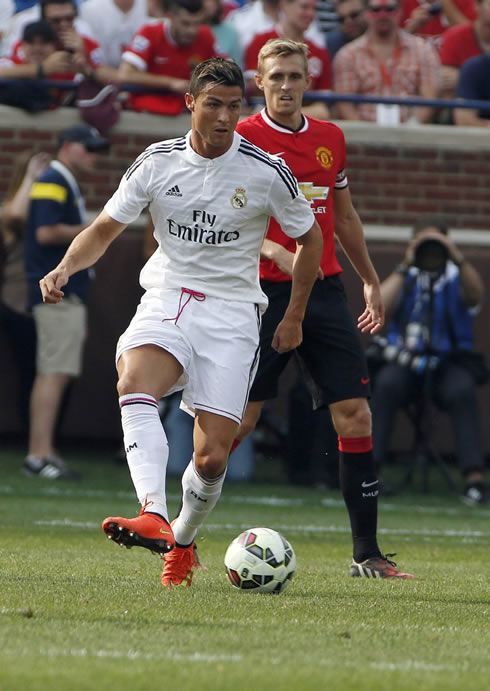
(431, 18)
(331, 350)
(164, 55)
(82, 53)
(462, 42)
(296, 17)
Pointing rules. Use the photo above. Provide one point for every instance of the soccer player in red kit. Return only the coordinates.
(331, 348)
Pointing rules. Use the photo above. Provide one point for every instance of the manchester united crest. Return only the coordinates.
(324, 157)
(239, 200)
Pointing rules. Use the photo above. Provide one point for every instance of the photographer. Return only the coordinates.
(430, 300)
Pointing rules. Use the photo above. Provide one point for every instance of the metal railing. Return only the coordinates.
(327, 96)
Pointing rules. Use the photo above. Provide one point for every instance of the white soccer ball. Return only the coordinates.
(260, 559)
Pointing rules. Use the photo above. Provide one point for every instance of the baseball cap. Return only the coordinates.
(89, 136)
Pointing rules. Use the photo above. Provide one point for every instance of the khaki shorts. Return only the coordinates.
(60, 331)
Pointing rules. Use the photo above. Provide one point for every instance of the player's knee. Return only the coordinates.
(127, 383)
(352, 418)
(211, 464)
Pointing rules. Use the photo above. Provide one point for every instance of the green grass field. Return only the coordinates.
(77, 612)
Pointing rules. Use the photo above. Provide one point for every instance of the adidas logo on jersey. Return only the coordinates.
(173, 192)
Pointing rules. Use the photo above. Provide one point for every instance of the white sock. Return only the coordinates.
(146, 449)
(199, 497)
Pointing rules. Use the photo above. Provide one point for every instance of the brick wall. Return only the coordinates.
(396, 174)
(428, 169)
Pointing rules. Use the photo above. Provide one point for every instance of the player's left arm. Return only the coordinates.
(350, 234)
(289, 333)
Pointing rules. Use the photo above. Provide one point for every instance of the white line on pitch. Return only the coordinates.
(293, 528)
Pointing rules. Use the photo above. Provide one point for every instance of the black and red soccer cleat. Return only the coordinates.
(377, 567)
(148, 530)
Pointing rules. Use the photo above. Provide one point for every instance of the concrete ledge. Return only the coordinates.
(447, 138)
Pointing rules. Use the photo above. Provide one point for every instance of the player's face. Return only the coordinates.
(284, 81)
(215, 114)
(184, 26)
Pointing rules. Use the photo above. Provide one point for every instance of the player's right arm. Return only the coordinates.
(84, 251)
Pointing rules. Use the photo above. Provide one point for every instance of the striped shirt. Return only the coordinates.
(413, 70)
(210, 215)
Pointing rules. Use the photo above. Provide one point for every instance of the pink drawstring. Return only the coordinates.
(200, 297)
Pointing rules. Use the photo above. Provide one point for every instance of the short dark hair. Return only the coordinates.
(43, 4)
(218, 71)
(191, 6)
(39, 29)
(430, 222)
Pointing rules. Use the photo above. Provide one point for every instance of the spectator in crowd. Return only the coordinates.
(386, 61)
(113, 24)
(56, 216)
(36, 58)
(474, 84)
(260, 16)
(431, 18)
(430, 299)
(352, 20)
(462, 42)
(225, 34)
(15, 28)
(85, 53)
(16, 323)
(296, 17)
(164, 55)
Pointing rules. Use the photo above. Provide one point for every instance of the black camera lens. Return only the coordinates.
(430, 255)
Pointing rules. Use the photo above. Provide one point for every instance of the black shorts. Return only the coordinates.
(331, 349)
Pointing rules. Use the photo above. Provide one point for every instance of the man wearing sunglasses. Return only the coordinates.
(83, 54)
(386, 61)
(351, 16)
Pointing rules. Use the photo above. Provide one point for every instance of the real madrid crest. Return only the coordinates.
(324, 157)
(239, 200)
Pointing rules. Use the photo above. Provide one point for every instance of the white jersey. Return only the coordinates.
(210, 214)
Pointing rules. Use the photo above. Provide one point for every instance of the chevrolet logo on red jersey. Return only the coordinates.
(311, 192)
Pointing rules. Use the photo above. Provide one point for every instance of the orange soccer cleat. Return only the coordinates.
(378, 567)
(148, 530)
(179, 565)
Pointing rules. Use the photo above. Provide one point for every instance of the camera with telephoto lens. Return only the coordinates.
(431, 256)
(381, 351)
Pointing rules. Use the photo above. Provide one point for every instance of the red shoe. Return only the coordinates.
(378, 567)
(148, 530)
(179, 565)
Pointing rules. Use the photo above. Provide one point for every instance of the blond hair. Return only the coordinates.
(281, 48)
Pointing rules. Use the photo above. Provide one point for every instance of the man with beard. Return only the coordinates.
(164, 55)
(389, 62)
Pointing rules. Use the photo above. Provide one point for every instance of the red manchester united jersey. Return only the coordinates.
(318, 60)
(154, 51)
(316, 155)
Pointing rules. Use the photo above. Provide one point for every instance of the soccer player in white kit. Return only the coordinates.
(196, 329)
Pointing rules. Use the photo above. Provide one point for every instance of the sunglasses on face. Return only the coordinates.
(58, 20)
(382, 8)
(351, 16)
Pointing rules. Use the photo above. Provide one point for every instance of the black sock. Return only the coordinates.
(359, 486)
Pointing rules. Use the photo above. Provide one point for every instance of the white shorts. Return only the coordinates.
(216, 341)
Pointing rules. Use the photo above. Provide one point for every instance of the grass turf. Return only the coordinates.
(79, 613)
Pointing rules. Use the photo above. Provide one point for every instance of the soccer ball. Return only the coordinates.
(260, 559)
